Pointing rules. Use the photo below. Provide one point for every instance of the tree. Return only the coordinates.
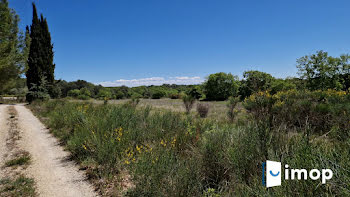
(324, 72)
(281, 85)
(40, 58)
(104, 93)
(220, 86)
(255, 81)
(195, 92)
(11, 48)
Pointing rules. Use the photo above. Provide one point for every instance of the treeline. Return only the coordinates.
(317, 72)
(85, 90)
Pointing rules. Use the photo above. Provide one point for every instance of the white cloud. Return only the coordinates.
(152, 81)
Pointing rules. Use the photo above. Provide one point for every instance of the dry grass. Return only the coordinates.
(218, 109)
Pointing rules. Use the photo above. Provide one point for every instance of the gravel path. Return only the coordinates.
(53, 173)
(3, 135)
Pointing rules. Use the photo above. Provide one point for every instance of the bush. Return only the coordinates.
(231, 105)
(175, 96)
(104, 93)
(119, 95)
(85, 92)
(319, 112)
(203, 109)
(157, 94)
(83, 97)
(195, 92)
(188, 102)
(74, 93)
(38, 92)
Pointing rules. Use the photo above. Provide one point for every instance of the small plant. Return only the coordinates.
(231, 105)
(21, 186)
(210, 192)
(18, 161)
(38, 91)
(105, 100)
(133, 102)
(203, 109)
(188, 102)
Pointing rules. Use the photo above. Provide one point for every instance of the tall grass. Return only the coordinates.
(175, 154)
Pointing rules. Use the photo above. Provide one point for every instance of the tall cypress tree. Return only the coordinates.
(40, 59)
(49, 69)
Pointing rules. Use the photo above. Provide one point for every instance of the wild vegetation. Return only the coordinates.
(176, 154)
(134, 149)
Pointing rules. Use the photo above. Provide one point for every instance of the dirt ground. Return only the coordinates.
(54, 174)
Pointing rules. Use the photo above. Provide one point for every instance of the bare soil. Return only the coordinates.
(50, 167)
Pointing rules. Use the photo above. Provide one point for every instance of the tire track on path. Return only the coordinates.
(53, 173)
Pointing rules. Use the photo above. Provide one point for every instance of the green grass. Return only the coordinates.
(22, 160)
(20, 187)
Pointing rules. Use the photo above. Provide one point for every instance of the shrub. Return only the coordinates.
(83, 97)
(203, 109)
(38, 92)
(157, 94)
(74, 93)
(85, 92)
(231, 105)
(175, 96)
(317, 111)
(104, 93)
(195, 92)
(188, 102)
(119, 95)
(133, 102)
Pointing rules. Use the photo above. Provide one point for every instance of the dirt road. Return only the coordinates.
(54, 175)
(3, 135)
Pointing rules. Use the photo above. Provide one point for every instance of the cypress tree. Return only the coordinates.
(40, 59)
(34, 72)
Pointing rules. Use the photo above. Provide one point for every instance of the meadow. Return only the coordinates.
(154, 148)
(217, 109)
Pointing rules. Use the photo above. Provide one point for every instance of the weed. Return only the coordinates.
(188, 102)
(22, 160)
(203, 109)
(22, 186)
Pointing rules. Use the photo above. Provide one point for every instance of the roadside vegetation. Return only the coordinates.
(22, 186)
(23, 159)
(177, 154)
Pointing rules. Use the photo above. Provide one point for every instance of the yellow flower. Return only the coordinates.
(84, 147)
(138, 148)
(127, 162)
(173, 143)
(163, 143)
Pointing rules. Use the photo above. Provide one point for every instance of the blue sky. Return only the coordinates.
(135, 42)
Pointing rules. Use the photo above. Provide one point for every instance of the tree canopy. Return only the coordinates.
(220, 86)
(12, 48)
